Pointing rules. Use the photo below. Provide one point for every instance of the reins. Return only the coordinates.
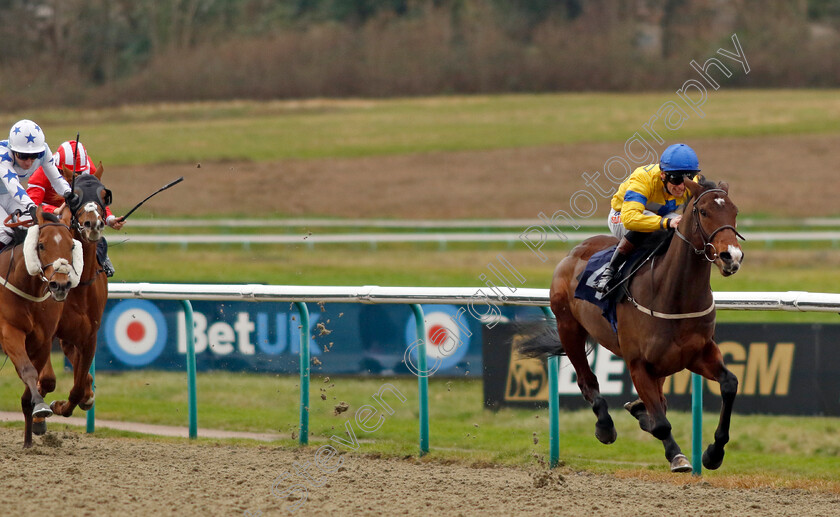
(43, 268)
(707, 243)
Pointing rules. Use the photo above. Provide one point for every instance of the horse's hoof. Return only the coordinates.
(606, 435)
(39, 426)
(711, 461)
(41, 410)
(86, 405)
(680, 464)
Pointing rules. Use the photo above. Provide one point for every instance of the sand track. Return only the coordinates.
(70, 473)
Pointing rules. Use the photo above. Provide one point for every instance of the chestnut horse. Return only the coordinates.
(49, 260)
(666, 321)
(82, 314)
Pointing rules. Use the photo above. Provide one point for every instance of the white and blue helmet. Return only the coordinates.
(27, 137)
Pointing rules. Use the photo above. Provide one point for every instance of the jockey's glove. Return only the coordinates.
(32, 212)
(72, 199)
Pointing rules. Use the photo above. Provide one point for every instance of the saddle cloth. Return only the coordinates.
(586, 285)
(655, 245)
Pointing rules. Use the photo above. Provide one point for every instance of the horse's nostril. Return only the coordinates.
(725, 255)
(53, 286)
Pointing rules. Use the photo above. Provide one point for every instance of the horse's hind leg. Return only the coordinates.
(650, 411)
(710, 365)
(573, 336)
(81, 394)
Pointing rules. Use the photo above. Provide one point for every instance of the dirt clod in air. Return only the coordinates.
(340, 408)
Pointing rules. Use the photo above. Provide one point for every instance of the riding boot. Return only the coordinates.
(102, 257)
(107, 267)
(622, 251)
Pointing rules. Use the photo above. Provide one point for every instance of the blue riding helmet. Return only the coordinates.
(679, 158)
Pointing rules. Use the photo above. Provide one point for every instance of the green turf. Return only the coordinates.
(260, 131)
(778, 448)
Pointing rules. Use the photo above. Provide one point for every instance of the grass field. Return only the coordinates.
(765, 451)
(259, 131)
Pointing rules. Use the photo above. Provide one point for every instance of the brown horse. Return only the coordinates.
(665, 324)
(82, 313)
(48, 260)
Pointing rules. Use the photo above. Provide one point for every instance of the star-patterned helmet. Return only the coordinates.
(26, 137)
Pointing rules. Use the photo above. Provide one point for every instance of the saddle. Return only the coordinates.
(655, 245)
(18, 236)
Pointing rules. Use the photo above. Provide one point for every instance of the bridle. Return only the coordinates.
(707, 239)
(43, 268)
(86, 200)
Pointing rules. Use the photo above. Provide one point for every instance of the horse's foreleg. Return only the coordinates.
(710, 365)
(650, 411)
(46, 379)
(32, 403)
(573, 337)
(46, 384)
(26, 408)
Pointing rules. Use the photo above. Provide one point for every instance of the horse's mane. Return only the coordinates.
(705, 183)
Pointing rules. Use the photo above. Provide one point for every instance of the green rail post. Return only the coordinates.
(422, 378)
(696, 424)
(91, 413)
(191, 390)
(304, 372)
(553, 404)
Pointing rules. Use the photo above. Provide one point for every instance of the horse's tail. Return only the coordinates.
(540, 342)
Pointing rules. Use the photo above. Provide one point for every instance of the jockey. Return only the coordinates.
(647, 201)
(23, 153)
(40, 190)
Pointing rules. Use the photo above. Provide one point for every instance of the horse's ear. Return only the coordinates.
(106, 196)
(99, 170)
(724, 186)
(66, 215)
(693, 188)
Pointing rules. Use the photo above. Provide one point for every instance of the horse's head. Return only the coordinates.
(51, 253)
(709, 225)
(89, 212)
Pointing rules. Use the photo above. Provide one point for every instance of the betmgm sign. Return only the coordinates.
(791, 369)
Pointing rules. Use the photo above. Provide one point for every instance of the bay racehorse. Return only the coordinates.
(37, 278)
(82, 313)
(665, 321)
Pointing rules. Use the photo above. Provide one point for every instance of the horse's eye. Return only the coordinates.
(41, 246)
(703, 212)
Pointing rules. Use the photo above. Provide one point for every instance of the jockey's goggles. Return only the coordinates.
(674, 178)
(29, 156)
